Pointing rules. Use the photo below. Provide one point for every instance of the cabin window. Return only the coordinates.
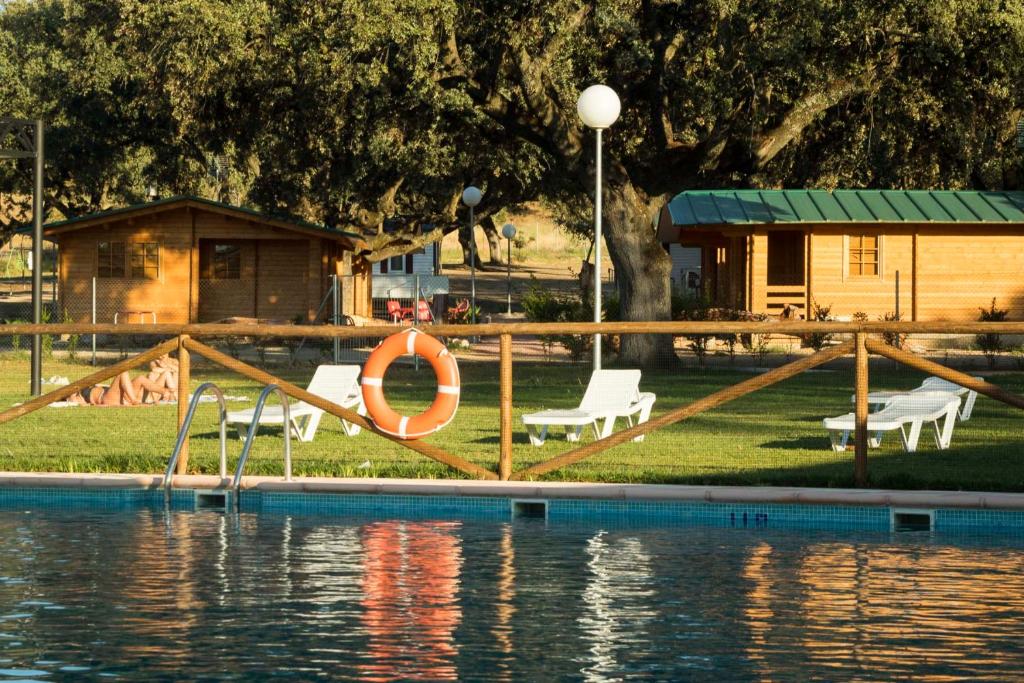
(223, 262)
(396, 264)
(110, 260)
(863, 254)
(145, 260)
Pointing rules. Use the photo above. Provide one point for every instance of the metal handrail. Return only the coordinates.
(287, 417)
(183, 432)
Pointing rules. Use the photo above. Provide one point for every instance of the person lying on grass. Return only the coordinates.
(124, 391)
(164, 372)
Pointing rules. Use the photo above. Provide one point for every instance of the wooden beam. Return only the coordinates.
(184, 380)
(913, 278)
(505, 394)
(89, 381)
(708, 402)
(932, 368)
(673, 327)
(421, 447)
(860, 457)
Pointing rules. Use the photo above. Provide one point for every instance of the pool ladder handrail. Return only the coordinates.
(183, 432)
(236, 483)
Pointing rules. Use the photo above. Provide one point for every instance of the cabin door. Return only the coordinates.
(786, 265)
(227, 279)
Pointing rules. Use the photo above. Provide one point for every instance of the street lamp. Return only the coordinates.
(471, 196)
(598, 108)
(509, 231)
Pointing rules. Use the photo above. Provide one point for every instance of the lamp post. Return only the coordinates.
(471, 196)
(598, 108)
(509, 231)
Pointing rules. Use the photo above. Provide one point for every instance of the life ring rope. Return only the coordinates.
(446, 400)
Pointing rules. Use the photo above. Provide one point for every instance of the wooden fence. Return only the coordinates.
(860, 344)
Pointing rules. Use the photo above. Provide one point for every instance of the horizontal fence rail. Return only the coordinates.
(675, 327)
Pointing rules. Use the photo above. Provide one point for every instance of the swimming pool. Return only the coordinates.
(142, 592)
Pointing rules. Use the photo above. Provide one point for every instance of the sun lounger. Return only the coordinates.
(930, 384)
(906, 413)
(611, 394)
(336, 383)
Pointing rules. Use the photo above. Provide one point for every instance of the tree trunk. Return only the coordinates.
(642, 268)
(464, 237)
(493, 241)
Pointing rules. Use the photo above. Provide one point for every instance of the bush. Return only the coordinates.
(73, 339)
(818, 340)
(991, 344)
(896, 339)
(544, 306)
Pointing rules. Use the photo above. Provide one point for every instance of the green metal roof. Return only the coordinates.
(284, 218)
(745, 207)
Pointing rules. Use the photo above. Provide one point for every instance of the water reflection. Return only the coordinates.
(410, 588)
(143, 595)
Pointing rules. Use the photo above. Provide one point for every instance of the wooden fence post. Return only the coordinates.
(505, 391)
(860, 453)
(184, 379)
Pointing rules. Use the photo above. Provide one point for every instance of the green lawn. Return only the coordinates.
(771, 437)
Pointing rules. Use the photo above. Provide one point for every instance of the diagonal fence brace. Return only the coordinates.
(253, 373)
(689, 410)
(941, 371)
(91, 380)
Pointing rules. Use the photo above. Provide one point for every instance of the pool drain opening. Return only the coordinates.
(913, 520)
(211, 500)
(534, 509)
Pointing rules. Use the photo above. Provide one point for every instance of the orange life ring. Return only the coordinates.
(446, 402)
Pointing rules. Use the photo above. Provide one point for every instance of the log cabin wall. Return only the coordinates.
(277, 274)
(960, 271)
(166, 295)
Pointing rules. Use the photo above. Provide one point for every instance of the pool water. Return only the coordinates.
(147, 594)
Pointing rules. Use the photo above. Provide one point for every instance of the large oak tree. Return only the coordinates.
(352, 112)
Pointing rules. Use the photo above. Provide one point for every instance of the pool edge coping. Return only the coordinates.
(540, 490)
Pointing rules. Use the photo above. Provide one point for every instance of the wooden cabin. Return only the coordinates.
(929, 255)
(185, 259)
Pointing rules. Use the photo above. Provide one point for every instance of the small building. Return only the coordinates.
(186, 259)
(931, 255)
(397, 277)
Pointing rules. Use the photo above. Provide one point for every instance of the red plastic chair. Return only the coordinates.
(394, 310)
(424, 314)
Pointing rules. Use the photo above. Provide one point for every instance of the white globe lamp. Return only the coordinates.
(598, 107)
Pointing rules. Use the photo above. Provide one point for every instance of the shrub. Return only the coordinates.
(896, 339)
(544, 306)
(47, 340)
(73, 339)
(991, 344)
(818, 340)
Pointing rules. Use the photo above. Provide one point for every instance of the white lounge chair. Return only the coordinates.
(336, 383)
(905, 412)
(939, 384)
(930, 384)
(610, 394)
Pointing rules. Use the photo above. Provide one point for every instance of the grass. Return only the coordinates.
(772, 437)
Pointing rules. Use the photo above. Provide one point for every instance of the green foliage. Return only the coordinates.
(991, 344)
(46, 342)
(896, 339)
(542, 305)
(818, 340)
(73, 340)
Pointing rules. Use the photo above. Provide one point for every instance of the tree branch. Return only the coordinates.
(803, 112)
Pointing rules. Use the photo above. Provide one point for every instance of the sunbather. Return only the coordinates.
(163, 372)
(123, 391)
